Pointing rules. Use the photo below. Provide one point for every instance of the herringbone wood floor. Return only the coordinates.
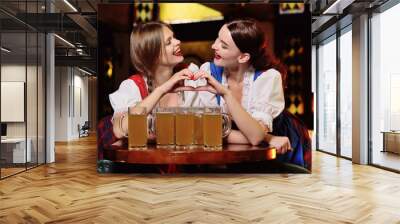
(70, 191)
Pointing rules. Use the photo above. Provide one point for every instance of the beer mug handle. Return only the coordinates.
(151, 124)
(226, 125)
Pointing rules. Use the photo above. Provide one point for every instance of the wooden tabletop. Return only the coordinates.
(231, 153)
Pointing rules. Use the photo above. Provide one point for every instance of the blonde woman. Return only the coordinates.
(154, 52)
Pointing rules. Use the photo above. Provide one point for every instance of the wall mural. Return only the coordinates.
(286, 30)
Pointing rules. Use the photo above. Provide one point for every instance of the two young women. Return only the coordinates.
(243, 79)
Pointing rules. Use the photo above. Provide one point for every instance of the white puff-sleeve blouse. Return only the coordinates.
(128, 94)
(263, 98)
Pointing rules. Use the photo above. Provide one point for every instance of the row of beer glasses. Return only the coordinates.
(180, 127)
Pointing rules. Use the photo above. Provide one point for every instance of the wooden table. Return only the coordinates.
(231, 153)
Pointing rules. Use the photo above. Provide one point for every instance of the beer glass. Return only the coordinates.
(198, 126)
(184, 127)
(137, 127)
(165, 127)
(216, 125)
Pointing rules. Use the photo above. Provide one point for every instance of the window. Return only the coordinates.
(346, 93)
(327, 96)
(22, 77)
(385, 86)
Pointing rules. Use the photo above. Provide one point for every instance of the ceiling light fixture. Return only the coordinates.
(65, 41)
(5, 50)
(333, 6)
(337, 7)
(70, 5)
(176, 13)
(84, 71)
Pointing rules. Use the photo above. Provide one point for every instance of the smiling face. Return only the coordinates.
(171, 54)
(227, 54)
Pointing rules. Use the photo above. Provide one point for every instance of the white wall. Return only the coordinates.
(61, 103)
(34, 125)
(15, 72)
(71, 94)
(80, 84)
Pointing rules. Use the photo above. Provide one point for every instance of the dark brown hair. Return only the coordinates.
(249, 38)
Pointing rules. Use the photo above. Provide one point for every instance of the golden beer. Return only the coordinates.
(198, 130)
(137, 130)
(212, 130)
(165, 128)
(198, 126)
(184, 128)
